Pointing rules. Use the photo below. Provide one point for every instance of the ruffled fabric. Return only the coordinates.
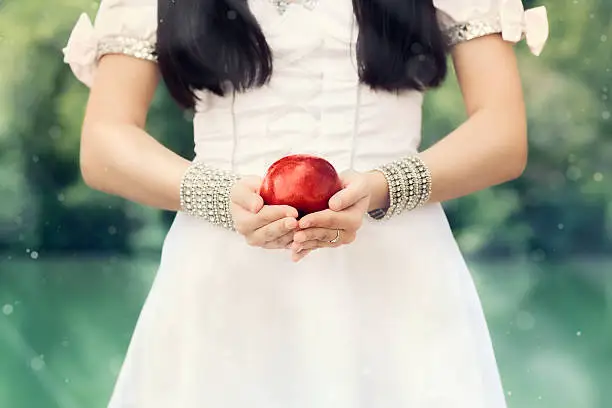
(469, 19)
(81, 52)
(121, 27)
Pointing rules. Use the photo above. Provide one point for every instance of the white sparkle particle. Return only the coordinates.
(7, 309)
(37, 363)
(578, 333)
(34, 255)
(597, 176)
(560, 226)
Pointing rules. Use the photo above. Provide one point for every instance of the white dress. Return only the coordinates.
(390, 321)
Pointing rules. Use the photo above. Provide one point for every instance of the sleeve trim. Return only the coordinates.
(131, 46)
(470, 30)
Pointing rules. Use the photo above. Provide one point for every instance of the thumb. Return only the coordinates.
(245, 194)
(253, 183)
(353, 191)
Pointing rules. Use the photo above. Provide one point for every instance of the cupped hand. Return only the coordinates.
(266, 226)
(342, 220)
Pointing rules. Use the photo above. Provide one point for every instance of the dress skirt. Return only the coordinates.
(390, 321)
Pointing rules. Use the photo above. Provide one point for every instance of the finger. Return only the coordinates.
(241, 218)
(314, 244)
(315, 234)
(283, 242)
(253, 183)
(296, 257)
(270, 213)
(244, 196)
(325, 219)
(355, 191)
(272, 232)
(345, 237)
(267, 215)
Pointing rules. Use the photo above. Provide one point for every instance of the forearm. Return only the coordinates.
(123, 160)
(488, 149)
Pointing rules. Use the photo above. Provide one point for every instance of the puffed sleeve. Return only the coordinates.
(464, 20)
(121, 27)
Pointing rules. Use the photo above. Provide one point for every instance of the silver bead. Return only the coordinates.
(211, 191)
(472, 29)
(409, 183)
(135, 47)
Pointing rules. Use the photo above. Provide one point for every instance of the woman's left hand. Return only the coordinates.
(337, 225)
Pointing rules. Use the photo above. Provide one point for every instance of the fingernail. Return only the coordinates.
(290, 224)
(335, 203)
(304, 224)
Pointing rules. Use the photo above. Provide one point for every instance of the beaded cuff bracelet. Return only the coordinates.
(205, 193)
(409, 182)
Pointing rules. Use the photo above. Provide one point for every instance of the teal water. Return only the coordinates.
(65, 325)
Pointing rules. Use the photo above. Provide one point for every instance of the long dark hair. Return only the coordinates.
(218, 45)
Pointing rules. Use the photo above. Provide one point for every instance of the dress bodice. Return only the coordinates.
(313, 104)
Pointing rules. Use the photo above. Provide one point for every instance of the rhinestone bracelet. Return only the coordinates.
(205, 193)
(424, 180)
(409, 181)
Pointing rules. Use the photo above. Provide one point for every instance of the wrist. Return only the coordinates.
(205, 193)
(379, 190)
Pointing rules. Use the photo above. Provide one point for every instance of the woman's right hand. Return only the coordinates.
(266, 226)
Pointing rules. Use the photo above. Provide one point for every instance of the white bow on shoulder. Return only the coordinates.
(81, 52)
(531, 24)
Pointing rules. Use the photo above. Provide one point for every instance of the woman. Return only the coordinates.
(381, 311)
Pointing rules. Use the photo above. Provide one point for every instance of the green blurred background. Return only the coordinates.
(75, 265)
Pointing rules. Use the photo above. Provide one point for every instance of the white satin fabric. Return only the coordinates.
(514, 21)
(392, 320)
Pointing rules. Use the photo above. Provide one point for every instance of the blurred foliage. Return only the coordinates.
(559, 208)
(549, 317)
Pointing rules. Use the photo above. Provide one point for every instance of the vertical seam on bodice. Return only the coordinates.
(234, 132)
(355, 125)
(353, 36)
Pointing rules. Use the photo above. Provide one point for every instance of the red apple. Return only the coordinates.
(302, 181)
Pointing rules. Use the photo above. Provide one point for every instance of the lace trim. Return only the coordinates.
(131, 46)
(472, 29)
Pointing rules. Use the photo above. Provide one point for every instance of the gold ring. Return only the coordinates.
(337, 238)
